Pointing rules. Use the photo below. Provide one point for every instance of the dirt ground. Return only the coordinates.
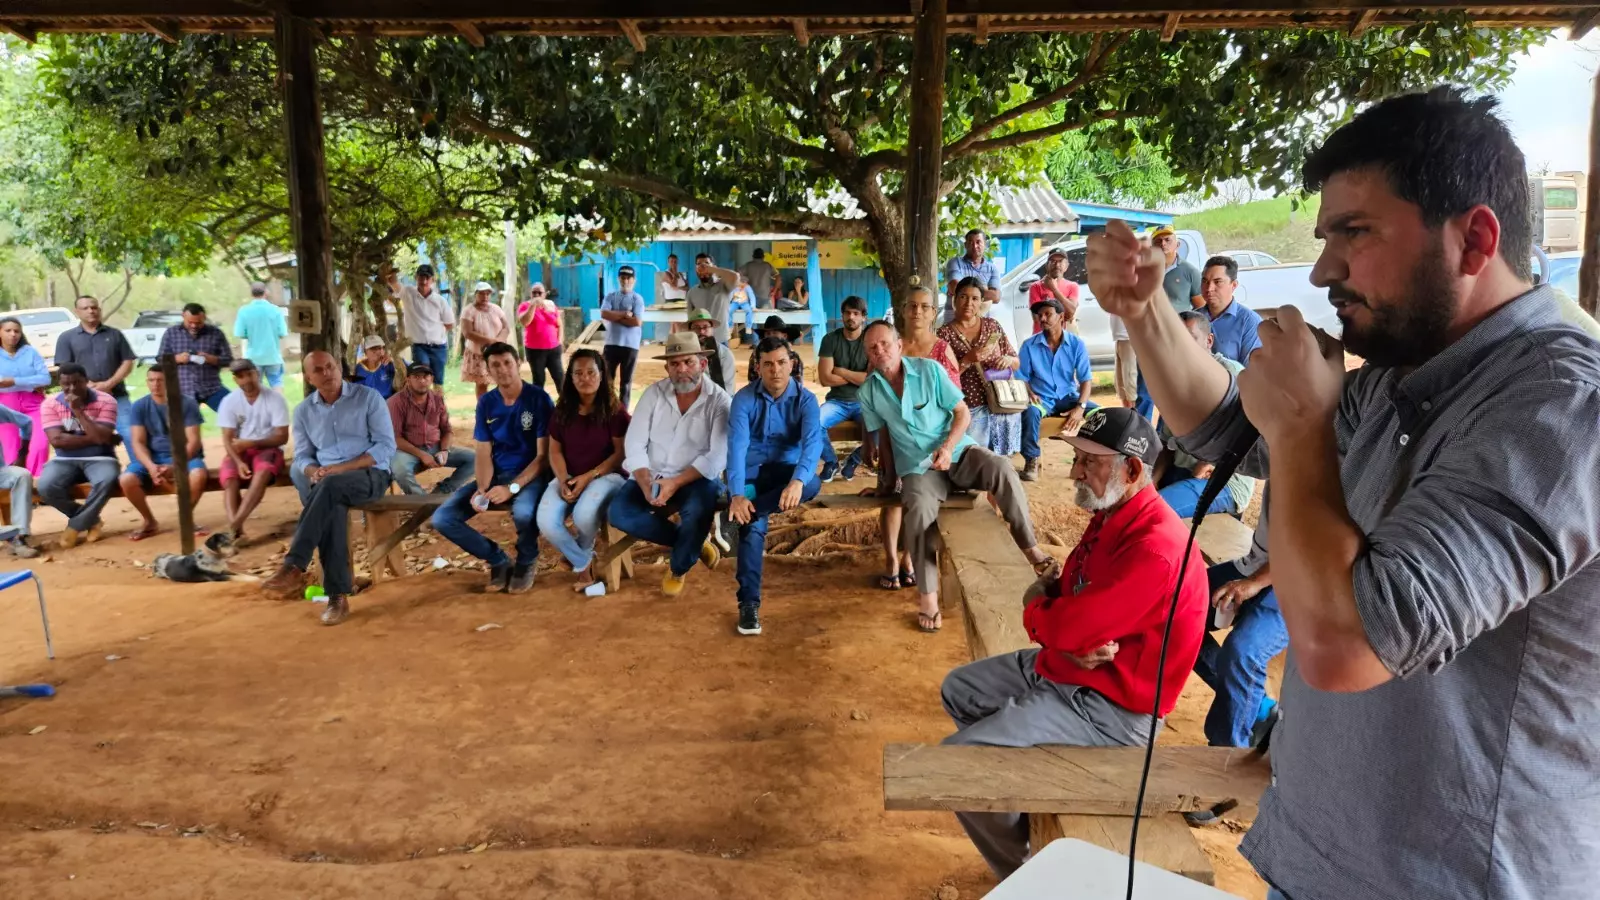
(208, 743)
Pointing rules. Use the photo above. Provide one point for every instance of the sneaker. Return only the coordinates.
(69, 538)
(499, 578)
(93, 534)
(720, 526)
(338, 610)
(521, 580)
(749, 618)
(848, 473)
(672, 585)
(829, 469)
(288, 584)
(20, 549)
(710, 555)
(1030, 470)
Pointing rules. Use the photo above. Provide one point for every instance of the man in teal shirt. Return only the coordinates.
(262, 325)
(918, 411)
(1181, 280)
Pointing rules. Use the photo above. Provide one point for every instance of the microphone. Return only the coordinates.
(1225, 467)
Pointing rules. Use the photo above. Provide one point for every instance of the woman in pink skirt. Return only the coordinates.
(23, 379)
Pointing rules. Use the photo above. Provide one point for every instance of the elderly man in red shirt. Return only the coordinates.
(1098, 621)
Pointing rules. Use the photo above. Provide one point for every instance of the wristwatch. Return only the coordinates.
(514, 488)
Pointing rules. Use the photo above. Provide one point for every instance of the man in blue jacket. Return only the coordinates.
(774, 443)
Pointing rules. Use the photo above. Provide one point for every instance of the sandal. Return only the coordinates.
(928, 624)
(908, 580)
(144, 532)
(585, 578)
(889, 582)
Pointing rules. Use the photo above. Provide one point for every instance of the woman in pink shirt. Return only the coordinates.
(543, 335)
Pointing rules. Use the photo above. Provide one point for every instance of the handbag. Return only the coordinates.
(1006, 395)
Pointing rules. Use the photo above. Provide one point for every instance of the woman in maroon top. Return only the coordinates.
(586, 435)
(981, 346)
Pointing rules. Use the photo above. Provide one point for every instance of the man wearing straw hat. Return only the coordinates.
(676, 449)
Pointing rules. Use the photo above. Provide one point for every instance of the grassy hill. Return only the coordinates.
(1261, 225)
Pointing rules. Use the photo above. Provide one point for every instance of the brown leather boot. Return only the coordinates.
(289, 583)
(338, 610)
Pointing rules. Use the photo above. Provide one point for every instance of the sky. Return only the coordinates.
(1548, 100)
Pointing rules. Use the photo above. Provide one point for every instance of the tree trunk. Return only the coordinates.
(1589, 268)
(925, 144)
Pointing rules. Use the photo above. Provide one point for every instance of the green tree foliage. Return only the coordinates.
(1082, 167)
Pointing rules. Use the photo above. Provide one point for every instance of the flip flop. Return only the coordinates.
(143, 533)
(889, 582)
(907, 579)
(928, 624)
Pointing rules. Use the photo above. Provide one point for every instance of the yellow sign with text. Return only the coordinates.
(838, 255)
(788, 254)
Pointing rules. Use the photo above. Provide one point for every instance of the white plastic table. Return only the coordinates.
(1070, 869)
(812, 316)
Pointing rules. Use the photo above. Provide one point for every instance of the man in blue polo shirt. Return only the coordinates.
(973, 264)
(774, 441)
(1055, 363)
(623, 312)
(512, 431)
(1234, 326)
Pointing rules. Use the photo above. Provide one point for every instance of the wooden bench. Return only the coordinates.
(1081, 792)
(81, 492)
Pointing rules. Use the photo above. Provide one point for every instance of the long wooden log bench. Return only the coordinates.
(81, 492)
(1081, 792)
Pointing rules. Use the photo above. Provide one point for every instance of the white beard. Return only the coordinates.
(1087, 500)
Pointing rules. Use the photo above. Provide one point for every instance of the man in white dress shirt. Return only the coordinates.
(428, 319)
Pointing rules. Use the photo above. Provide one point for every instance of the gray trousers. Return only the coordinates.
(19, 482)
(920, 496)
(325, 522)
(1002, 702)
(61, 475)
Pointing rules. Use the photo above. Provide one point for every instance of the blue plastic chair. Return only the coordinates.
(12, 579)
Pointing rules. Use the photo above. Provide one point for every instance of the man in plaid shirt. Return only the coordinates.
(202, 352)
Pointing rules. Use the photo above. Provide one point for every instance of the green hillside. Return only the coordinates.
(1261, 225)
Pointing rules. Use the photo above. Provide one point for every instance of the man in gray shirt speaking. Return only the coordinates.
(1435, 522)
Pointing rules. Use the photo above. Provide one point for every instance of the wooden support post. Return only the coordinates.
(980, 29)
(469, 30)
(308, 178)
(510, 293)
(177, 434)
(21, 31)
(166, 29)
(1363, 22)
(1589, 268)
(1169, 28)
(925, 144)
(630, 30)
(802, 32)
(1582, 24)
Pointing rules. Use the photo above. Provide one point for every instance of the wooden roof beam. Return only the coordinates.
(22, 31)
(469, 30)
(166, 29)
(1169, 28)
(1363, 22)
(980, 29)
(1582, 25)
(630, 30)
(802, 32)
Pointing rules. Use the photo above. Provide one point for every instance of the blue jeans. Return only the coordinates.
(434, 356)
(450, 520)
(587, 513)
(1144, 404)
(695, 503)
(273, 375)
(1237, 668)
(1182, 493)
(749, 316)
(833, 412)
(769, 483)
(1033, 415)
(213, 400)
(125, 425)
(404, 467)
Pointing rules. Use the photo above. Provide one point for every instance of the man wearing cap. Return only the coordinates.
(512, 468)
(482, 324)
(255, 428)
(623, 312)
(1055, 364)
(720, 364)
(712, 292)
(973, 264)
(374, 369)
(1098, 621)
(1234, 326)
(202, 352)
(1180, 477)
(775, 327)
(1181, 280)
(422, 435)
(917, 409)
(262, 326)
(428, 320)
(1055, 285)
(676, 449)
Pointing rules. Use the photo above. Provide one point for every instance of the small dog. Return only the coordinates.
(207, 563)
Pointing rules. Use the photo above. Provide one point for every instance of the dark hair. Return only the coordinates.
(1443, 151)
(758, 254)
(971, 281)
(22, 336)
(700, 256)
(83, 298)
(672, 256)
(1226, 262)
(977, 231)
(568, 401)
(497, 348)
(193, 309)
(1195, 319)
(66, 369)
(769, 344)
(424, 271)
(854, 302)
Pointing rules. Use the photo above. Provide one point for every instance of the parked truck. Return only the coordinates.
(1262, 289)
(1559, 204)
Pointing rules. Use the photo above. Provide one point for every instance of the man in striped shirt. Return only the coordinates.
(82, 426)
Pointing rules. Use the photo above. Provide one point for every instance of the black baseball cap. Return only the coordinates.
(417, 368)
(1118, 429)
(1050, 302)
(625, 272)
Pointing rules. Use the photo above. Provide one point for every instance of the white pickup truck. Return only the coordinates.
(1261, 289)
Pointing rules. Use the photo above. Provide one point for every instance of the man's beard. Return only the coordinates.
(1411, 332)
(685, 384)
(1087, 500)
